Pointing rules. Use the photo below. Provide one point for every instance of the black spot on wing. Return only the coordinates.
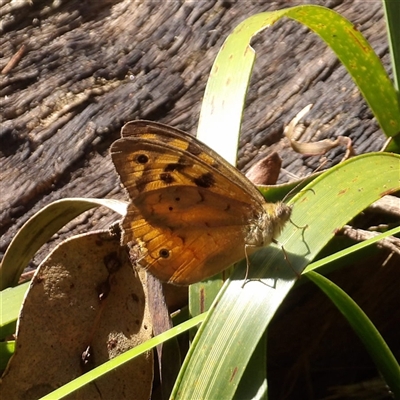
(167, 178)
(171, 207)
(174, 167)
(205, 180)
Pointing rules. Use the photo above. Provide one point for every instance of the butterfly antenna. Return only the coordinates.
(303, 180)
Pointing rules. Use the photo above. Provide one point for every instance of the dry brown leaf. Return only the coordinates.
(85, 295)
(315, 148)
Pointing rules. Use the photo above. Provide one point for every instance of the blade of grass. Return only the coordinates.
(223, 103)
(343, 253)
(364, 328)
(392, 16)
(6, 351)
(10, 304)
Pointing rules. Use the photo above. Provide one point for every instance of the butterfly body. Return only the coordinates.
(191, 214)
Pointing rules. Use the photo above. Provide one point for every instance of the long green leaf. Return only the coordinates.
(392, 15)
(6, 351)
(365, 330)
(10, 305)
(223, 103)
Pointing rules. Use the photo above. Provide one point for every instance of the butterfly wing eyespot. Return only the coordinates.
(164, 253)
(190, 211)
(142, 158)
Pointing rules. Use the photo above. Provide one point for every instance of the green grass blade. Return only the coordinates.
(360, 60)
(253, 384)
(343, 253)
(364, 328)
(222, 107)
(202, 294)
(392, 16)
(227, 86)
(6, 351)
(10, 304)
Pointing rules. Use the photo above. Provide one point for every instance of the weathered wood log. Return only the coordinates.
(83, 69)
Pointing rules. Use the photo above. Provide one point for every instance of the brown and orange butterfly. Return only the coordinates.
(191, 214)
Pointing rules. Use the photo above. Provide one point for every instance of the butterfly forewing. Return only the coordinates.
(182, 142)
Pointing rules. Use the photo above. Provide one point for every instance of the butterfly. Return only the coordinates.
(191, 214)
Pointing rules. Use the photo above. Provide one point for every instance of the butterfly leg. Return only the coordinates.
(245, 280)
(247, 263)
(297, 226)
(286, 256)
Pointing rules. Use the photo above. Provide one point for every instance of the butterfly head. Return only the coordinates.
(280, 215)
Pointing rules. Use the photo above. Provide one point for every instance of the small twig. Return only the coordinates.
(26, 276)
(391, 243)
(386, 205)
(14, 60)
